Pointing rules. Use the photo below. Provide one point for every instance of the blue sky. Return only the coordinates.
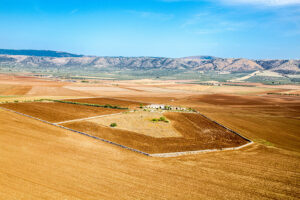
(255, 29)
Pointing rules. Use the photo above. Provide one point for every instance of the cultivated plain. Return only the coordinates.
(41, 161)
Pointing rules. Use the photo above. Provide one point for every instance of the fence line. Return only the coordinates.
(172, 154)
(87, 118)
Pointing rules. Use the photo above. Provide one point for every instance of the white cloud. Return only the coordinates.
(253, 2)
(264, 2)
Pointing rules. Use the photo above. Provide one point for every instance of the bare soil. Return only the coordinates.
(57, 112)
(111, 101)
(40, 161)
(197, 133)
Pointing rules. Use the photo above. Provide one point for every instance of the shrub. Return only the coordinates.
(16, 101)
(113, 124)
(161, 119)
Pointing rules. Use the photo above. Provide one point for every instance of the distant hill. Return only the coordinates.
(30, 52)
(43, 59)
(201, 57)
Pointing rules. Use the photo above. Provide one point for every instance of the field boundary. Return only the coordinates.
(107, 141)
(224, 127)
(171, 154)
(175, 154)
(87, 118)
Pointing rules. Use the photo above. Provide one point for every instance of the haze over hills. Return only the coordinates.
(31, 52)
(54, 59)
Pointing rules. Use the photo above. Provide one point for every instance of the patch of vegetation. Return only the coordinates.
(161, 119)
(270, 80)
(86, 104)
(287, 94)
(264, 142)
(113, 124)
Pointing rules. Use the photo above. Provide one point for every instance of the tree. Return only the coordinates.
(113, 124)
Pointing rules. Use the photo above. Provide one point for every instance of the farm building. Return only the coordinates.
(156, 106)
(165, 107)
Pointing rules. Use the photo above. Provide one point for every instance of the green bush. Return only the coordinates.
(113, 124)
(161, 119)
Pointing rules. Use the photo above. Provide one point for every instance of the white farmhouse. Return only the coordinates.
(156, 106)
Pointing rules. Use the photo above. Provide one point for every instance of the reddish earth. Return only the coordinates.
(111, 101)
(41, 161)
(197, 133)
(57, 112)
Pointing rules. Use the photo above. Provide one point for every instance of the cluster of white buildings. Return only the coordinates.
(164, 107)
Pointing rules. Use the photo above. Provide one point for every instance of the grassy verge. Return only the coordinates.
(264, 142)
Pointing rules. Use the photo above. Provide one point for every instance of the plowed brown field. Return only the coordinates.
(197, 133)
(17, 90)
(40, 161)
(111, 101)
(57, 112)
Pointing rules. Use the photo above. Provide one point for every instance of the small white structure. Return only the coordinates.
(156, 106)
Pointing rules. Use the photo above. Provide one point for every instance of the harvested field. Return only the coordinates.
(55, 91)
(152, 99)
(197, 133)
(57, 112)
(4, 88)
(221, 99)
(111, 101)
(17, 90)
(97, 90)
(221, 89)
(272, 125)
(22, 98)
(140, 122)
(40, 161)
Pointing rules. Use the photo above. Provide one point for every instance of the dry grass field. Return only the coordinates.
(220, 89)
(140, 122)
(41, 161)
(197, 133)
